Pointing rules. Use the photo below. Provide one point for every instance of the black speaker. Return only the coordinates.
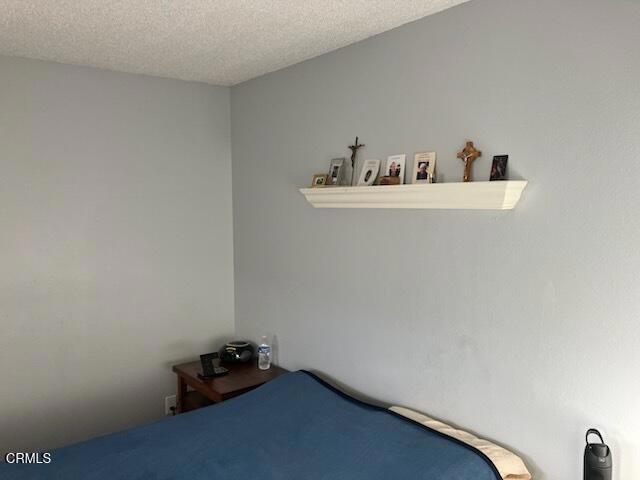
(597, 459)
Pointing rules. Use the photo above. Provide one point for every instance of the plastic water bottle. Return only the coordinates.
(264, 354)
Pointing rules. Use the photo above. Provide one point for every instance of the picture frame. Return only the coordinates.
(336, 171)
(424, 167)
(395, 167)
(319, 180)
(499, 168)
(368, 173)
(209, 362)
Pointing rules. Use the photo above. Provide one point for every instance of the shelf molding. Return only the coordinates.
(497, 195)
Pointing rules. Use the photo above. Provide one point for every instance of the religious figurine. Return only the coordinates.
(354, 150)
(468, 156)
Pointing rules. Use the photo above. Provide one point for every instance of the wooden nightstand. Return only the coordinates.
(241, 378)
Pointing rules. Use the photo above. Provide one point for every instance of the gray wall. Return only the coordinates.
(522, 325)
(115, 245)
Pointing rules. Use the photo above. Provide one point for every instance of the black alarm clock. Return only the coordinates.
(236, 351)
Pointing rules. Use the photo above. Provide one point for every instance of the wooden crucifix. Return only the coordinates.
(468, 156)
(354, 150)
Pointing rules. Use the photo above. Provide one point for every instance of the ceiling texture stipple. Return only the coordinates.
(222, 42)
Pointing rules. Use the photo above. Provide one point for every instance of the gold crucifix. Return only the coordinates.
(468, 155)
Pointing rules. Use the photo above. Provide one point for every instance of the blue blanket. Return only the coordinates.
(293, 428)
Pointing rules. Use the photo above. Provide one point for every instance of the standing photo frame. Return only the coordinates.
(424, 167)
(319, 180)
(369, 172)
(395, 167)
(336, 171)
(499, 168)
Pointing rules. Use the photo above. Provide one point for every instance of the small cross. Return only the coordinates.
(354, 149)
(468, 155)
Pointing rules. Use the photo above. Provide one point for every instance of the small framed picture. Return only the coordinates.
(499, 167)
(209, 362)
(424, 167)
(336, 171)
(319, 180)
(395, 167)
(211, 366)
(369, 172)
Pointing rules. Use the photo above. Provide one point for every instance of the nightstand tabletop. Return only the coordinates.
(241, 378)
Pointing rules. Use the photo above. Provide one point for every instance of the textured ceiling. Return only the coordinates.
(223, 42)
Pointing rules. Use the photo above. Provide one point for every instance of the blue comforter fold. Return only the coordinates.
(295, 427)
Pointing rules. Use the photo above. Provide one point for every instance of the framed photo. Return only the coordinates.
(336, 171)
(395, 167)
(499, 167)
(211, 366)
(424, 167)
(369, 172)
(319, 180)
(209, 362)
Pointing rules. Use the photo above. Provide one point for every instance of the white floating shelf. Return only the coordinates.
(498, 195)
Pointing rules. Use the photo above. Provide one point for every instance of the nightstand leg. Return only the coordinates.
(180, 394)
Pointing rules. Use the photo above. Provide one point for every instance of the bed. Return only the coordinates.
(294, 427)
